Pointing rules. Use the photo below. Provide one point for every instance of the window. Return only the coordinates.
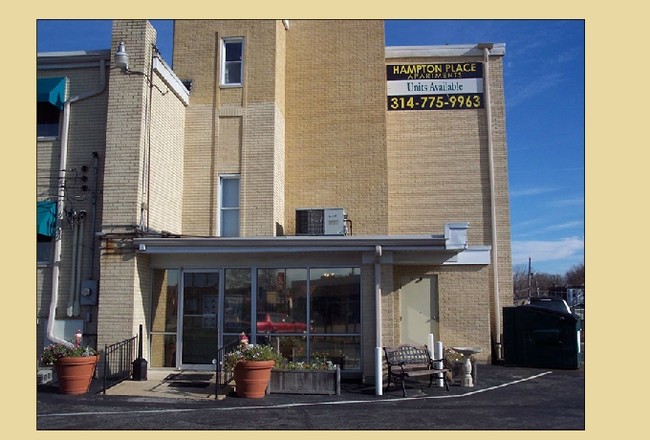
(164, 318)
(237, 302)
(45, 230)
(229, 206)
(311, 312)
(232, 50)
(47, 120)
(43, 249)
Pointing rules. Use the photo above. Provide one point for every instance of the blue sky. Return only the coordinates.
(544, 75)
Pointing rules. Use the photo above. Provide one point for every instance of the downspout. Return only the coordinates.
(496, 325)
(378, 330)
(63, 163)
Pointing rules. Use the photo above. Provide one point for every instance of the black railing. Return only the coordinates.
(118, 360)
(223, 376)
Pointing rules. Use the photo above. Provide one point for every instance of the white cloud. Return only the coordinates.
(539, 251)
(567, 225)
(526, 192)
(564, 203)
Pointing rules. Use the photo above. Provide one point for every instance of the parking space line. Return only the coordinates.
(297, 404)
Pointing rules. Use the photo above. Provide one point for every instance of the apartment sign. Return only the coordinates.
(440, 86)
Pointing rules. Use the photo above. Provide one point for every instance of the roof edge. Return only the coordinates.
(447, 50)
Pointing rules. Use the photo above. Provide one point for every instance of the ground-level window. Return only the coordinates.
(303, 312)
(236, 303)
(229, 206)
(309, 313)
(164, 318)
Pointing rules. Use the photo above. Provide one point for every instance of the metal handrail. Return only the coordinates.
(223, 376)
(118, 359)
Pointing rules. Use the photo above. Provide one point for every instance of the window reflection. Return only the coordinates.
(335, 300)
(164, 318)
(281, 301)
(237, 301)
(325, 323)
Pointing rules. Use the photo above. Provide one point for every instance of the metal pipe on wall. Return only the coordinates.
(56, 264)
(73, 264)
(496, 323)
(77, 282)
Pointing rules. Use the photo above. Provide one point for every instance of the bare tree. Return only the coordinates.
(520, 281)
(576, 275)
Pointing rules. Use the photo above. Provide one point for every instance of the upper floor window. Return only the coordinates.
(50, 96)
(229, 206)
(47, 120)
(232, 50)
(45, 230)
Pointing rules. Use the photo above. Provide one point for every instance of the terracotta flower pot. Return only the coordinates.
(252, 378)
(74, 374)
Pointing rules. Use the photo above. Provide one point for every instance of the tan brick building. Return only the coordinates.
(295, 180)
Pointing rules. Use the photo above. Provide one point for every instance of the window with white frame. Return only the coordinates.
(232, 64)
(229, 206)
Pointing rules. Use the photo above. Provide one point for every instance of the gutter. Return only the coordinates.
(290, 244)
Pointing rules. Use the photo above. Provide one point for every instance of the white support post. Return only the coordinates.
(379, 386)
(438, 355)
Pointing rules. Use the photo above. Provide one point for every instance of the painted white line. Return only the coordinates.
(296, 405)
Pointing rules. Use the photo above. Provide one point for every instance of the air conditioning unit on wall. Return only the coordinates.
(321, 221)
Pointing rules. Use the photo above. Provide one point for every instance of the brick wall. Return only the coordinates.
(438, 172)
(236, 130)
(144, 180)
(336, 122)
(86, 136)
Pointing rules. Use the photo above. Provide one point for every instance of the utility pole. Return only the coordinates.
(529, 277)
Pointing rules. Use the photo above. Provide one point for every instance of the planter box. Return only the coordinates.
(305, 382)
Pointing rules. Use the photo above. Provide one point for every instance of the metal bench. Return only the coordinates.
(410, 361)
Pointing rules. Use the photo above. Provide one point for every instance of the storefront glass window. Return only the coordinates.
(327, 322)
(237, 301)
(164, 318)
(281, 301)
(335, 300)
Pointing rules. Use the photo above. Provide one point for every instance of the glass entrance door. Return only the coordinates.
(199, 319)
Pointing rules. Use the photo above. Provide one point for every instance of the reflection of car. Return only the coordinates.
(279, 323)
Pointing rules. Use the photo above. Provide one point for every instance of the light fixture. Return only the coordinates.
(121, 57)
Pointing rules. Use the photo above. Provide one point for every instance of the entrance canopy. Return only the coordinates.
(448, 248)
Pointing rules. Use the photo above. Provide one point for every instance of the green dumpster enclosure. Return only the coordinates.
(539, 337)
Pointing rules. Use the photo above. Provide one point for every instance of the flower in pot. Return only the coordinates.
(318, 362)
(252, 365)
(74, 364)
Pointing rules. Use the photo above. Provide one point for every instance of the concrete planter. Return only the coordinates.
(458, 373)
(305, 381)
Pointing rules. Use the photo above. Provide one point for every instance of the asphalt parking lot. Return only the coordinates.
(504, 398)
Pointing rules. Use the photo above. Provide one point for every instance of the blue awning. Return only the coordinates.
(51, 90)
(46, 218)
